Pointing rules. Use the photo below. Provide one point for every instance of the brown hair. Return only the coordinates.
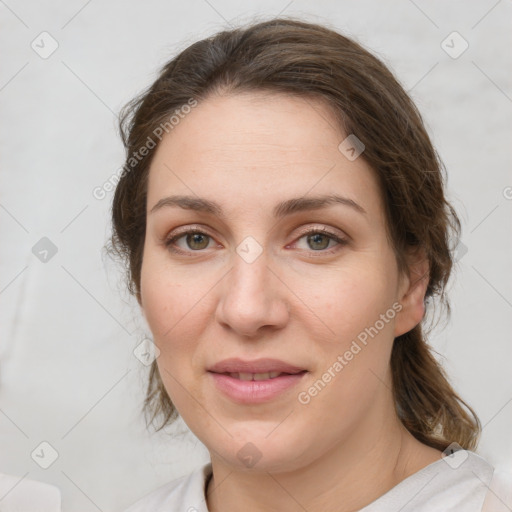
(290, 56)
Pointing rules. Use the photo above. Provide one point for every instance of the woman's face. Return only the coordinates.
(275, 271)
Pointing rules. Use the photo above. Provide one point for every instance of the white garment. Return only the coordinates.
(457, 483)
(18, 494)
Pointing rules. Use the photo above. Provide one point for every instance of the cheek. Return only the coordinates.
(352, 370)
(172, 314)
(347, 298)
(357, 312)
(168, 305)
(165, 299)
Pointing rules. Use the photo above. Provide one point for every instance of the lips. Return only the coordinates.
(255, 382)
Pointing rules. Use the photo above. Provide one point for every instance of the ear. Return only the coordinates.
(412, 289)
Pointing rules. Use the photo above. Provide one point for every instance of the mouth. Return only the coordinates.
(255, 382)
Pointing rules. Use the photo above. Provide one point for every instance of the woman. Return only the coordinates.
(283, 217)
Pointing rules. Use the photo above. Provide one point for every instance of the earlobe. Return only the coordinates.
(412, 293)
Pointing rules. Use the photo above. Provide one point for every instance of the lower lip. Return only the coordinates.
(255, 391)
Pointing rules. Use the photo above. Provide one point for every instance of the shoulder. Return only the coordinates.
(456, 483)
(185, 493)
(20, 494)
(499, 495)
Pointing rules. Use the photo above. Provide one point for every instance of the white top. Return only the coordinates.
(18, 494)
(457, 483)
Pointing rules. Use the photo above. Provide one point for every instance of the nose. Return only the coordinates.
(253, 297)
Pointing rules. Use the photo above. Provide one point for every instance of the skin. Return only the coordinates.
(303, 300)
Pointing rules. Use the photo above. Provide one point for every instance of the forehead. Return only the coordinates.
(257, 123)
(233, 148)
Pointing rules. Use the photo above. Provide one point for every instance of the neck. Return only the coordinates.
(349, 476)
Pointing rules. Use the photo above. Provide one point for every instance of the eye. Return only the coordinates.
(194, 240)
(318, 240)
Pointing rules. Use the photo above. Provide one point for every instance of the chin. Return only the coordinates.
(263, 453)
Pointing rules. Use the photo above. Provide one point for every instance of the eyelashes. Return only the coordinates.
(316, 235)
(326, 235)
(170, 242)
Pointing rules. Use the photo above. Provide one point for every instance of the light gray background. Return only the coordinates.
(67, 372)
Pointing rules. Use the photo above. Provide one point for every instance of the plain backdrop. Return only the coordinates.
(68, 374)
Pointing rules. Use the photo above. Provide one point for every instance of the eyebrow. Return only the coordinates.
(282, 209)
